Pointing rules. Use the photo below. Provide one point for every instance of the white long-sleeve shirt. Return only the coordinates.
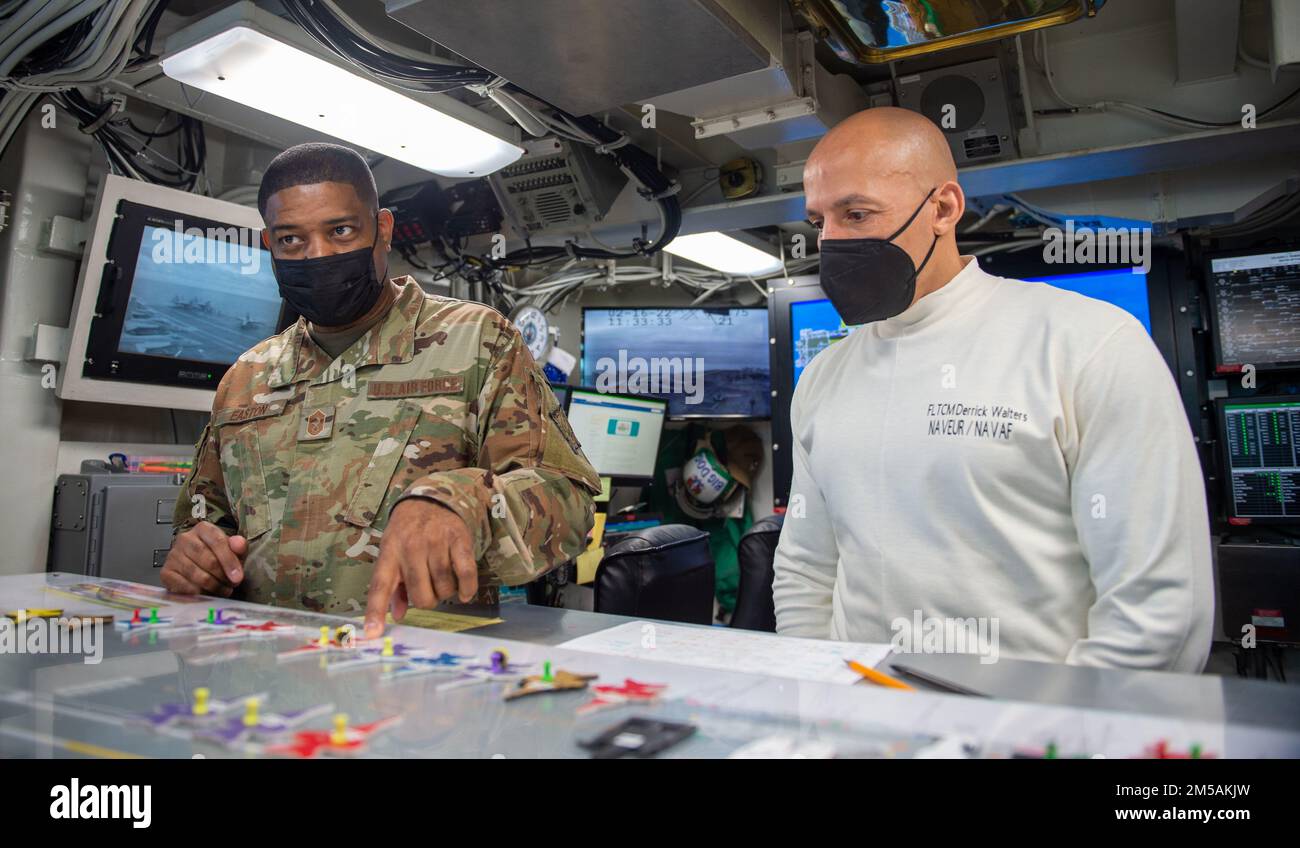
(1007, 450)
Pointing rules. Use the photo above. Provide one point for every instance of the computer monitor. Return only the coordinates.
(187, 297)
(561, 393)
(1255, 297)
(619, 433)
(1261, 452)
(1122, 287)
(707, 362)
(174, 287)
(802, 325)
(814, 327)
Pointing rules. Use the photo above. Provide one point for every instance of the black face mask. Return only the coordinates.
(330, 291)
(871, 279)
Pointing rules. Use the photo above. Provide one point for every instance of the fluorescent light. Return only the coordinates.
(724, 253)
(249, 67)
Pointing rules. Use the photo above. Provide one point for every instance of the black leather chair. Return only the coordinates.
(663, 572)
(754, 608)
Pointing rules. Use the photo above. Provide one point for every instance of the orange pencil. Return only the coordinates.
(878, 678)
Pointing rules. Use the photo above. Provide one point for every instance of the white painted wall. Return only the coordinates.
(46, 172)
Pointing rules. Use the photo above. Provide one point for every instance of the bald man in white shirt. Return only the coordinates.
(980, 448)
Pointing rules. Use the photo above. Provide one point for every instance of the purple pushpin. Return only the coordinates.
(444, 659)
(235, 730)
(499, 662)
(232, 731)
(164, 714)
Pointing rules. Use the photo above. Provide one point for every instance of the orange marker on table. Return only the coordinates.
(878, 678)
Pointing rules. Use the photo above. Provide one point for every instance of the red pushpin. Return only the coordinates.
(135, 617)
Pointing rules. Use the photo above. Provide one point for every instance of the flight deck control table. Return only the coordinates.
(56, 705)
(1205, 697)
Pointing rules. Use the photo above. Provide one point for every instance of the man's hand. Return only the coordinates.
(204, 560)
(426, 556)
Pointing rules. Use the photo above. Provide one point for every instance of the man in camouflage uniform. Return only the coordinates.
(432, 405)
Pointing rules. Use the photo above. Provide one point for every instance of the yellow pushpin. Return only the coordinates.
(21, 615)
(250, 713)
(324, 637)
(340, 734)
(201, 701)
(388, 647)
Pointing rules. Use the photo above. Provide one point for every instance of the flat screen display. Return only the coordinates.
(180, 298)
(1256, 309)
(1120, 287)
(618, 434)
(814, 327)
(1260, 438)
(707, 363)
(210, 309)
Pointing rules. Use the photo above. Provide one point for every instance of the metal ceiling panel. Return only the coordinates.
(586, 56)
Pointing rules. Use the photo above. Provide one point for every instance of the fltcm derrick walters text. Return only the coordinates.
(981, 421)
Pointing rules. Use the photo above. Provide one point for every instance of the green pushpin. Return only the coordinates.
(1196, 752)
(1050, 754)
(212, 616)
(546, 672)
(153, 615)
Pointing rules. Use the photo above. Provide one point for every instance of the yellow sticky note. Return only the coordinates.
(590, 558)
(597, 531)
(447, 622)
(588, 561)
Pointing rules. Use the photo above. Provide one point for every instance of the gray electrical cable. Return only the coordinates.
(33, 37)
(34, 25)
(17, 20)
(116, 38)
(13, 108)
(104, 56)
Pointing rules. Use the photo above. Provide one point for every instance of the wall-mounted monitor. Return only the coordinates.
(1144, 294)
(174, 287)
(803, 325)
(1261, 458)
(706, 362)
(1255, 312)
(1122, 287)
(814, 327)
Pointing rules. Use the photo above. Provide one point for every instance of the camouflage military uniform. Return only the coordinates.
(305, 456)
